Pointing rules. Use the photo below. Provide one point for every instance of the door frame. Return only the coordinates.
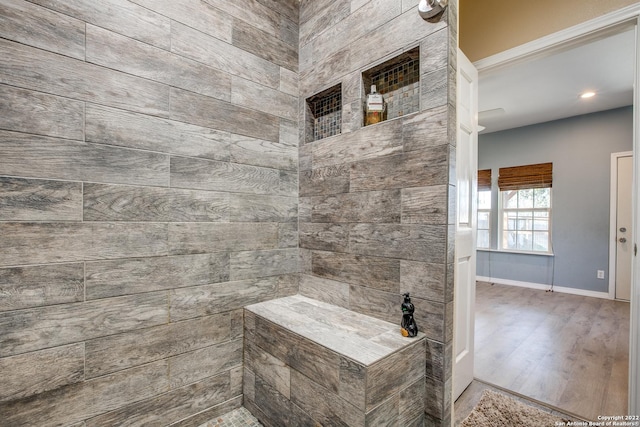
(628, 15)
(613, 228)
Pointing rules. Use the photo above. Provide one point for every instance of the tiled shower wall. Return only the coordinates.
(148, 191)
(377, 203)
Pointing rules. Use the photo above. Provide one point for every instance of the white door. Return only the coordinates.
(624, 230)
(465, 240)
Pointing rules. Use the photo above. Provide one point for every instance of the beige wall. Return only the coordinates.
(491, 26)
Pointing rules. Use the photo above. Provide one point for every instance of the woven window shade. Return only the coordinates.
(528, 176)
(484, 180)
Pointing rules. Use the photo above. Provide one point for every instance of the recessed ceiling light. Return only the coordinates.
(586, 95)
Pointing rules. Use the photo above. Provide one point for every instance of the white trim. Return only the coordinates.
(513, 251)
(613, 213)
(561, 37)
(543, 287)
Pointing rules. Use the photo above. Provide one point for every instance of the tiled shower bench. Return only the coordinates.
(309, 363)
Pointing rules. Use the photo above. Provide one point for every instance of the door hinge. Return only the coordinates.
(635, 249)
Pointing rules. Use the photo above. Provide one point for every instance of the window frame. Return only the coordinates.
(488, 211)
(501, 226)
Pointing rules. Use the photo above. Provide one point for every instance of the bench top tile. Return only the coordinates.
(359, 337)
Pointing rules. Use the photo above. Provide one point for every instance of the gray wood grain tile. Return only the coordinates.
(52, 158)
(373, 272)
(413, 169)
(68, 242)
(276, 408)
(124, 203)
(35, 69)
(261, 98)
(272, 48)
(368, 143)
(426, 129)
(287, 8)
(412, 404)
(215, 53)
(324, 181)
(385, 414)
(197, 301)
(74, 403)
(269, 368)
(254, 264)
(289, 81)
(196, 109)
(121, 53)
(170, 407)
(325, 290)
(369, 207)
(125, 350)
(39, 200)
(288, 235)
(197, 365)
(196, 14)
(259, 152)
(137, 275)
(211, 414)
(224, 176)
(430, 317)
(193, 238)
(42, 28)
(111, 126)
(376, 303)
(321, 15)
(34, 112)
(434, 51)
(352, 386)
(425, 205)
(324, 237)
(264, 17)
(434, 89)
(36, 286)
(37, 328)
(37, 372)
(121, 16)
(423, 280)
(412, 242)
(256, 208)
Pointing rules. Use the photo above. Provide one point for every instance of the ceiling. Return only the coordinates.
(548, 87)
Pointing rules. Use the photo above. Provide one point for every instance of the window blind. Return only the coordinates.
(484, 179)
(527, 176)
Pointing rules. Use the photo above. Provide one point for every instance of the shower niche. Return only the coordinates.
(324, 114)
(398, 81)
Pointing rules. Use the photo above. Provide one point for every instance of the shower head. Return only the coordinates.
(428, 9)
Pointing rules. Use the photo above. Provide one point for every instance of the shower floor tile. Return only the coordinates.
(240, 417)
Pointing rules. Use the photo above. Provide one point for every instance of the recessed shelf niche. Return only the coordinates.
(398, 80)
(324, 114)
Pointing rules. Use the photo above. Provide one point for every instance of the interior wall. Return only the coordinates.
(148, 191)
(580, 149)
(374, 201)
(491, 26)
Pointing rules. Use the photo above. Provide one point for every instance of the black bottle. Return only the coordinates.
(409, 327)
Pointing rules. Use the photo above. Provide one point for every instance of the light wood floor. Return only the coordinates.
(567, 351)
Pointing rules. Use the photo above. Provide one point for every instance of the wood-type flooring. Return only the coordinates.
(567, 351)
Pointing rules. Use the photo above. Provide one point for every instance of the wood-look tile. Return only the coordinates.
(324, 181)
(125, 350)
(257, 208)
(121, 53)
(194, 108)
(40, 371)
(124, 203)
(411, 405)
(39, 113)
(120, 16)
(35, 69)
(434, 51)
(261, 98)
(170, 407)
(36, 286)
(325, 290)
(288, 235)
(385, 414)
(324, 237)
(262, 16)
(33, 329)
(68, 242)
(197, 365)
(434, 89)
(274, 406)
(211, 413)
(270, 48)
(254, 264)
(412, 242)
(269, 368)
(223, 176)
(197, 301)
(367, 206)
(74, 403)
(52, 158)
(352, 386)
(40, 200)
(423, 280)
(372, 272)
(36, 26)
(289, 81)
(194, 238)
(376, 303)
(321, 15)
(111, 126)
(259, 152)
(215, 53)
(426, 129)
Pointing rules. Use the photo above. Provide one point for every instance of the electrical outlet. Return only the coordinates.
(600, 274)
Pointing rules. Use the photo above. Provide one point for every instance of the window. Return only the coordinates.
(484, 209)
(525, 208)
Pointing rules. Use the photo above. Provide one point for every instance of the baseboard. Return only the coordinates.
(543, 287)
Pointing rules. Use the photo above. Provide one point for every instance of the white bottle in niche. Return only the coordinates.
(375, 107)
